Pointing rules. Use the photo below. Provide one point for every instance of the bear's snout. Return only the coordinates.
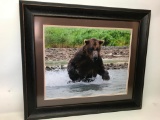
(95, 55)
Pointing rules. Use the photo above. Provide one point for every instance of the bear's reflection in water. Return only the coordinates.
(57, 85)
(83, 88)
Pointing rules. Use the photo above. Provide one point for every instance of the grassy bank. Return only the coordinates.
(74, 37)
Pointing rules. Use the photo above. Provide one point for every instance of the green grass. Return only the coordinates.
(74, 37)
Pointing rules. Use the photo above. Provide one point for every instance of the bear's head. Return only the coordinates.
(92, 48)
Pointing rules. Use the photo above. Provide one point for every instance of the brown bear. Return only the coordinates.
(87, 62)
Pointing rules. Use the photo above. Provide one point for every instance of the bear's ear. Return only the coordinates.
(86, 41)
(101, 42)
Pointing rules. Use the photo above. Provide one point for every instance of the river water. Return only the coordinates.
(57, 85)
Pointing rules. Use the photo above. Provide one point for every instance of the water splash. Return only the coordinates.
(61, 78)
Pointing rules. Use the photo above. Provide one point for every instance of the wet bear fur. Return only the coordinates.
(87, 62)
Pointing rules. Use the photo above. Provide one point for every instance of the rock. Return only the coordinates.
(67, 53)
(52, 68)
(111, 64)
(46, 58)
(48, 68)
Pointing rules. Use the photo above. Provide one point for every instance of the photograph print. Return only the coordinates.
(85, 61)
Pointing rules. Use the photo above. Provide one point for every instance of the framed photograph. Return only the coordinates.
(82, 59)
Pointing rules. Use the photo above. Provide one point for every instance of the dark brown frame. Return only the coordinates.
(30, 59)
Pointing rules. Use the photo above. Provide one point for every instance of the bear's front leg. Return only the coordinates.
(105, 75)
(73, 73)
(101, 71)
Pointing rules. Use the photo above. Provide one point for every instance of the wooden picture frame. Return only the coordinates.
(39, 13)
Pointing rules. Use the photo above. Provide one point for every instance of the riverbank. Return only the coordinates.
(113, 57)
(106, 66)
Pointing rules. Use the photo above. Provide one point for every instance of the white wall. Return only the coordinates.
(11, 96)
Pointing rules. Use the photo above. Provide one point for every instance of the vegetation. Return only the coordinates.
(74, 37)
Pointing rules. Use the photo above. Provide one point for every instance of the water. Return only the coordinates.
(57, 85)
